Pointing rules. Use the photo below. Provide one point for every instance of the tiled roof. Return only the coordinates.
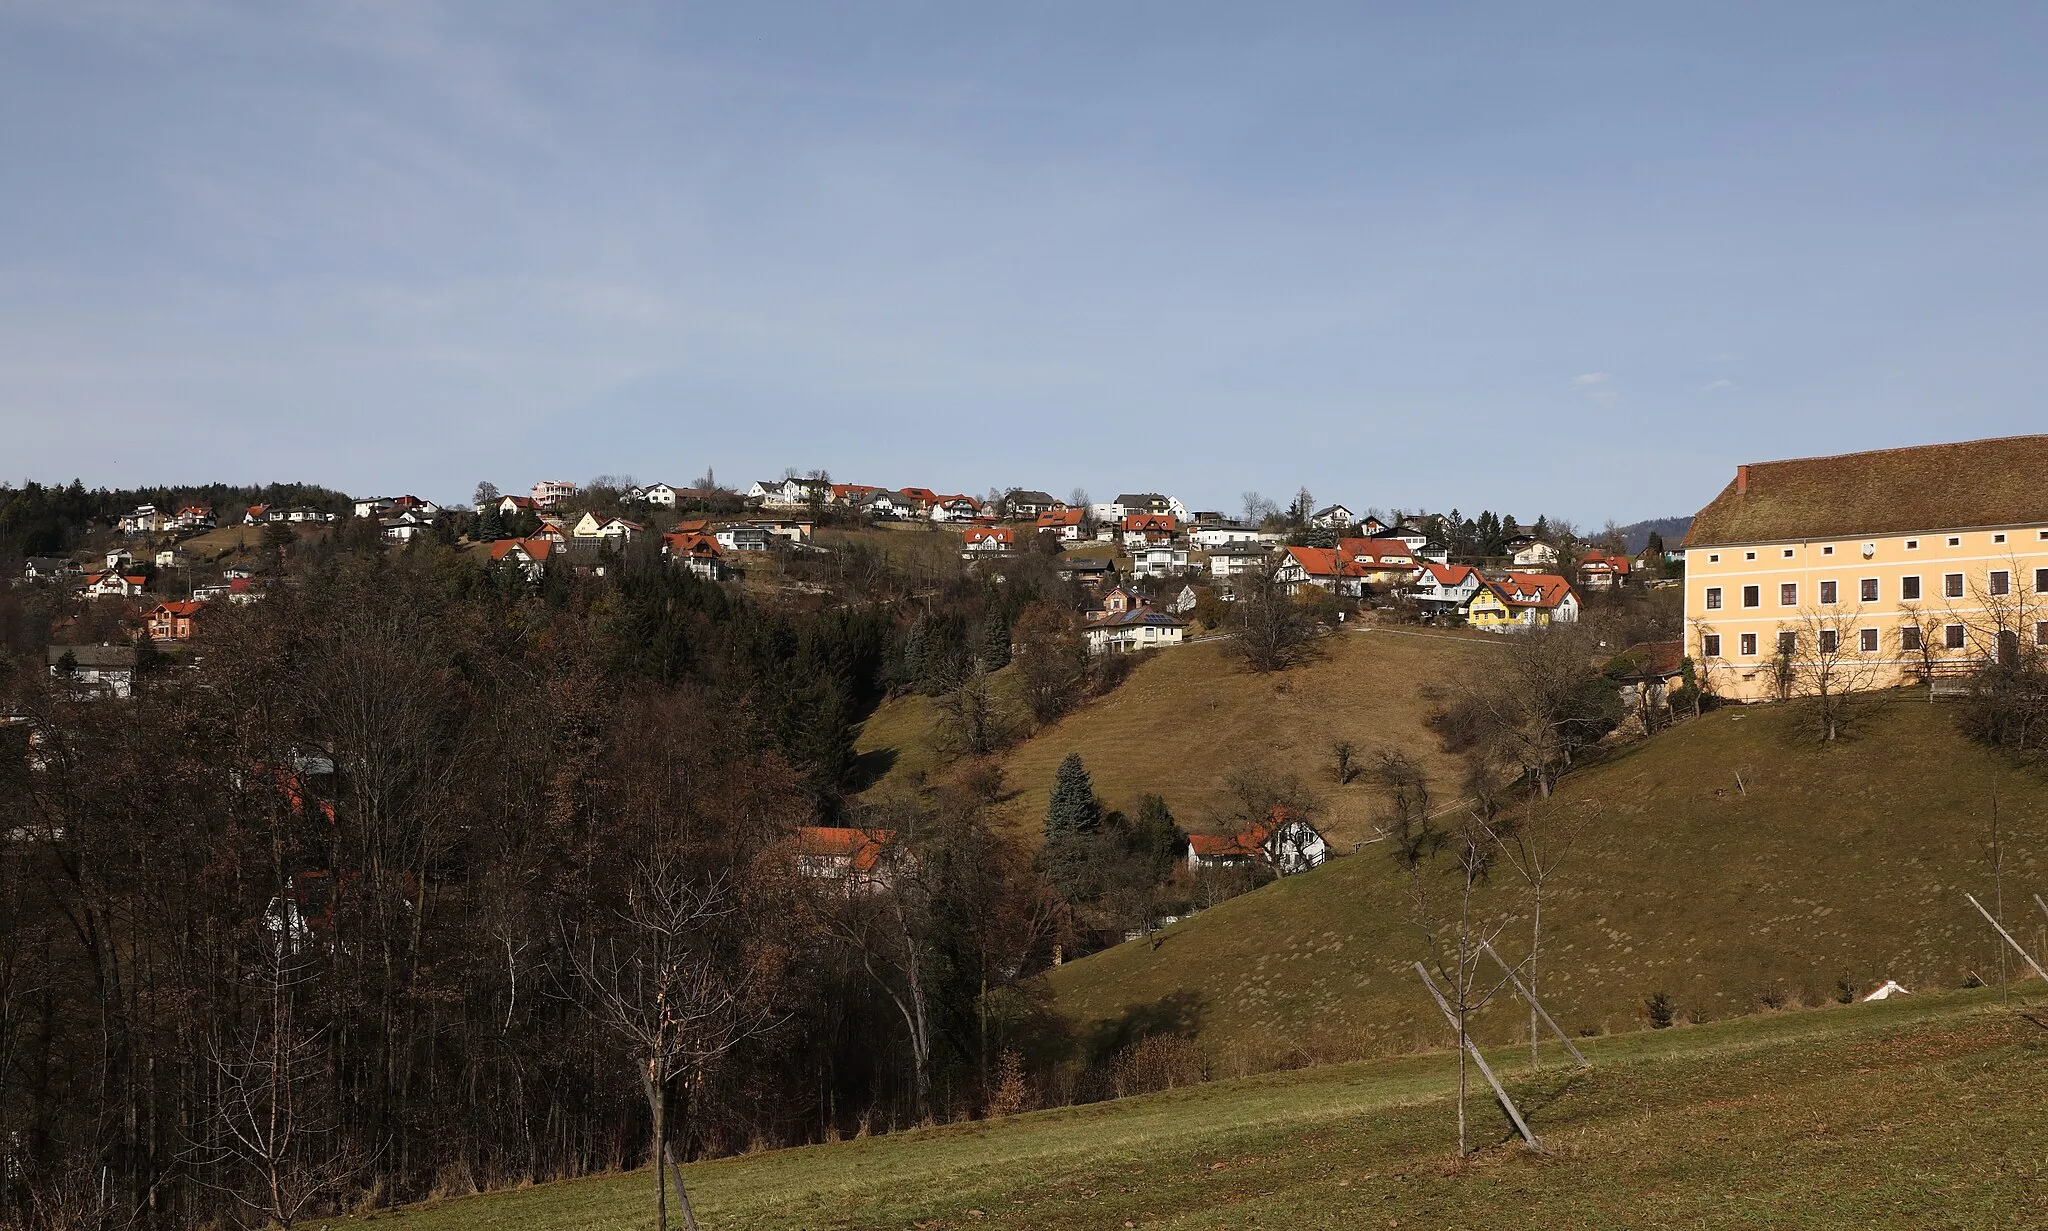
(862, 848)
(1530, 589)
(1885, 491)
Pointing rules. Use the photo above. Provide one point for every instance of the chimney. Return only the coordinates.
(1741, 479)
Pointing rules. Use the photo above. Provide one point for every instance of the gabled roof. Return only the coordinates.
(1449, 575)
(1019, 496)
(180, 607)
(1137, 617)
(536, 549)
(862, 848)
(1379, 553)
(1251, 843)
(1885, 491)
(1055, 518)
(1162, 522)
(1001, 534)
(1530, 590)
(1600, 560)
(700, 546)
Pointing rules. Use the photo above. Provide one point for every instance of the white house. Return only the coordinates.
(614, 529)
(1066, 523)
(982, 541)
(114, 584)
(955, 508)
(1127, 623)
(1233, 559)
(1535, 553)
(1446, 588)
(1158, 560)
(742, 538)
(98, 670)
(790, 493)
(1285, 843)
(1335, 517)
(1222, 534)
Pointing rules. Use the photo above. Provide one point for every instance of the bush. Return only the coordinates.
(1158, 1062)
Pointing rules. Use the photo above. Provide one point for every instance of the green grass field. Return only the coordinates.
(1921, 1113)
(1825, 864)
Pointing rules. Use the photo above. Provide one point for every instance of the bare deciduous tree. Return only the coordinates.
(1270, 631)
(678, 987)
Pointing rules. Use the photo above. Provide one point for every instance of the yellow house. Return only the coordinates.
(1523, 601)
(1869, 570)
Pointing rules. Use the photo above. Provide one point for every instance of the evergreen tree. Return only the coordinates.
(1073, 819)
(490, 526)
(995, 643)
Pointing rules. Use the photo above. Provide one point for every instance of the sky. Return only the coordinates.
(1571, 259)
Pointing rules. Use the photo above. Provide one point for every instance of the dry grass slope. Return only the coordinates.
(1917, 1113)
(1185, 718)
(1827, 864)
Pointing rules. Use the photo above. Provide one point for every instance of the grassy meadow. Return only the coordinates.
(1920, 1112)
(1730, 862)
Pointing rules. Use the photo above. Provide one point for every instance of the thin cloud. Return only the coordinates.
(1717, 386)
(1589, 380)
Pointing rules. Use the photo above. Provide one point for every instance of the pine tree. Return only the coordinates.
(1073, 818)
(995, 644)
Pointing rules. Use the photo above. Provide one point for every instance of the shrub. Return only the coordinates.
(1012, 1093)
(1158, 1062)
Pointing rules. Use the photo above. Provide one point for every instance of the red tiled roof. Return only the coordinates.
(1150, 521)
(1530, 589)
(1061, 517)
(181, 607)
(536, 549)
(1603, 560)
(1380, 553)
(1448, 574)
(982, 534)
(689, 544)
(862, 848)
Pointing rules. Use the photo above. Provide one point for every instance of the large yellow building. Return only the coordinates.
(1869, 570)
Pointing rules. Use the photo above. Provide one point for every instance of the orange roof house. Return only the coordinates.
(1285, 842)
(852, 856)
(173, 621)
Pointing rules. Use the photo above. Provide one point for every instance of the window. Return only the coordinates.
(1788, 644)
(1952, 585)
(1866, 640)
(1827, 594)
(1867, 589)
(1752, 596)
(1829, 640)
(1909, 637)
(1746, 643)
(1954, 542)
(2041, 581)
(1952, 636)
(2001, 581)
(1749, 555)
(1715, 558)
(1998, 538)
(1788, 553)
(1909, 589)
(2041, 632)
(1788, 594)
(1912, 544)
(1827, 551)
(1710, 645)
(1713, 598)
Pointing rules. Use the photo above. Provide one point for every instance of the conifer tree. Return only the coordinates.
(1073, 818)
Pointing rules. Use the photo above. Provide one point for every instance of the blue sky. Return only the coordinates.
(1571, 259)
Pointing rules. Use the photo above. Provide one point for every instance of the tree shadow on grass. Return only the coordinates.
(871, 767)
(1176, 1013)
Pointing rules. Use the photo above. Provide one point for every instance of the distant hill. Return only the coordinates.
(1732, 863)
(1636, 535)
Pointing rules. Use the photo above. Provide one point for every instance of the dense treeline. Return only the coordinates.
(36, 519)
(354, 904)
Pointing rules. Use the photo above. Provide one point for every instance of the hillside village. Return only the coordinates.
(877, 702)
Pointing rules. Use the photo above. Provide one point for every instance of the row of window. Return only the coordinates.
(1997, 582)
(1911, 545)
(1953, 637)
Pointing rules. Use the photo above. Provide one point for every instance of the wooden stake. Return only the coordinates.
(1536, 1004)
(1500, 1092)
(2000, 928)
